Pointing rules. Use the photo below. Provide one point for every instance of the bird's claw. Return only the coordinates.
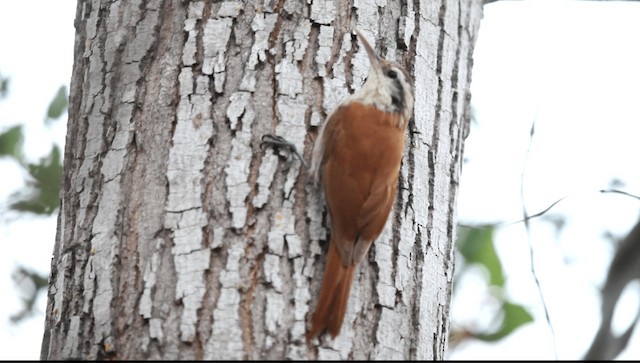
(278, 142)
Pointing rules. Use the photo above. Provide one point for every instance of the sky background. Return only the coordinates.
(572, 66)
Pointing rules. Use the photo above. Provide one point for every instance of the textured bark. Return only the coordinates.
(180, 238)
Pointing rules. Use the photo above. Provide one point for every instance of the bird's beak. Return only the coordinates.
(373, 56)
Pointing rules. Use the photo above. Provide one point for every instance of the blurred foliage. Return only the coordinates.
(512, 317)
(45, 185)
(29, 284)
(476, 247)
(58, 105)
(41, 195)
(4, 86)
(11, 143)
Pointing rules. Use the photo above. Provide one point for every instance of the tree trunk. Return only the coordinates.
(179, 237)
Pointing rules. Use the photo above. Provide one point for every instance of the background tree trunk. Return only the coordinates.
(180, 238)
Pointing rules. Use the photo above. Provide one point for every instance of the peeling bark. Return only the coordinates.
(179, 237)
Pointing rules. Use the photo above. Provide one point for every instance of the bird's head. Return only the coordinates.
(389, 86)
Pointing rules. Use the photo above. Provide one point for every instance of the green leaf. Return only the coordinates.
(476, 246)
(58, 105)
(513, 316)
(47, 176)
(11, 142)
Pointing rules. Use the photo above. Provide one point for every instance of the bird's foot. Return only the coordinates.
(280, 142)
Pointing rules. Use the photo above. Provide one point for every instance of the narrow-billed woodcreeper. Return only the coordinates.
(356, 159)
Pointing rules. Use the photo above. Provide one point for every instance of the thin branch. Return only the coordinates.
(528, 230)
(544, 211)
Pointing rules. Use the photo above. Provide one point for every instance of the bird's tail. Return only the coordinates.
(334, 295)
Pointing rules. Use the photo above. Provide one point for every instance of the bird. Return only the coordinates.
(356, 161)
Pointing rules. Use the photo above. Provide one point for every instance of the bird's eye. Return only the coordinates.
(392, 74)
